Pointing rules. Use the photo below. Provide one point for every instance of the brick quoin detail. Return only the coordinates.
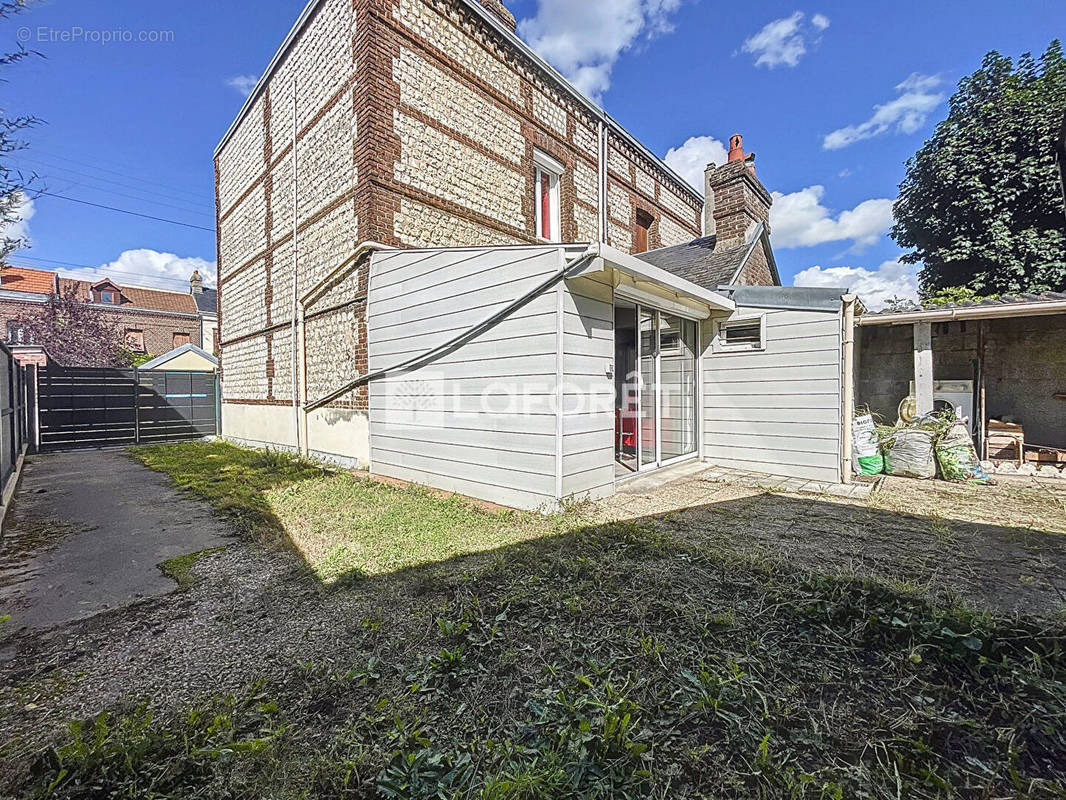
(416, 168)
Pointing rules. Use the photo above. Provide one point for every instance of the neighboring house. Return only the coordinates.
(424, 124)
(20, 288)
(1002, 359)
(207, 308)
(187, 358)
(152, 320)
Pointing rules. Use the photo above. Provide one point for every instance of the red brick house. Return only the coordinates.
(153, 321)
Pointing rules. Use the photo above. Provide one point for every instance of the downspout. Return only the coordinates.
(295, 297)
(848, 398)
(302, 353)
(601, 168)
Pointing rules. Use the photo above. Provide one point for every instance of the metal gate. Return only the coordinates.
(90, 407)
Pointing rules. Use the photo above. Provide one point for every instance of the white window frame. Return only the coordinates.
(720, 345)
(548, 168)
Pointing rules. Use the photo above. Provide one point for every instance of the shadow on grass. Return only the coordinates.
(619, 660)
(347, 528)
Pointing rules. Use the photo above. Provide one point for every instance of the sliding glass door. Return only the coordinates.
(657, 400)
(677, 387)
(648, 396)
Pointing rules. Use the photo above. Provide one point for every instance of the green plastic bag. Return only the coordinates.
(868, 459)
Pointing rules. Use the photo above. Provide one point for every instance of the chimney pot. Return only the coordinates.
(501, 12)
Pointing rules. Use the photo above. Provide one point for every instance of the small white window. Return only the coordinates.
(740, 333)
(546, 174)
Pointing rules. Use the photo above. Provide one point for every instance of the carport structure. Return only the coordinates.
(1012, 349)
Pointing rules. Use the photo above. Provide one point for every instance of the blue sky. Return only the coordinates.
(133, 124)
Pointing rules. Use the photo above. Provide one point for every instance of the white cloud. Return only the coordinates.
(918, 96)
(800, 220)
(691, 159)
(243, 83)
(874, 286)
(783, 42)
(22, 211)
(584, 40)
(146, 267)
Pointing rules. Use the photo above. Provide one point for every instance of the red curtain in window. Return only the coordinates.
(545, 200)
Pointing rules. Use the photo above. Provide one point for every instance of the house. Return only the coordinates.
(22, 288)
(996, 359)
(397, 213)
(187, 358)
(152, 320)
(206, 300)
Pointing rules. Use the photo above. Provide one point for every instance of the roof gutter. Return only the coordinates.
(514, 39)
(965, 312)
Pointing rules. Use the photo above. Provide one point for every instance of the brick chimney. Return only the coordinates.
(736, 201)
(196, 283)
(500, 11)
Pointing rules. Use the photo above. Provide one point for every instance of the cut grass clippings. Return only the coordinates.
(616, 662)
(605, 661)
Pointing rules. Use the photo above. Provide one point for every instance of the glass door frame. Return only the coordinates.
(697, 388)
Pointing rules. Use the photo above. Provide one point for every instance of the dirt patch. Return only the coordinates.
(997, 548)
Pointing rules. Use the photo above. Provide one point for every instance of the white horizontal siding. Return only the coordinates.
(453, 423)
(777, 410)
(588, 352)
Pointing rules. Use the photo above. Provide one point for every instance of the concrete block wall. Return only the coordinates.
(1025, 366)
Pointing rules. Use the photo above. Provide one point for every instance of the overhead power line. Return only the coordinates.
(50, 264)
(31, 152)
(125, 211)
(201, 208)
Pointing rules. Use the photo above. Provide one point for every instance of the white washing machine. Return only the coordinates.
(956, 394)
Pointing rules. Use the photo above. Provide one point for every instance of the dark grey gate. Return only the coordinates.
(90, 407)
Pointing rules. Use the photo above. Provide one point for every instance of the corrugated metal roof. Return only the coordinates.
(1025, 298)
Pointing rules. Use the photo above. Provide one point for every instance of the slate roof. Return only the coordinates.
(207, 301)
(699, 261)
(1024, 298)
(24, 279)
(138, 297)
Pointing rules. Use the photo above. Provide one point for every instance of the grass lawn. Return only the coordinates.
(576, 660)
(345, 526)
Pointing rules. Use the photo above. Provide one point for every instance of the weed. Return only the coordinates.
(180, 568)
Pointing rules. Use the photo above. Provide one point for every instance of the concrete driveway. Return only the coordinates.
(86, 534)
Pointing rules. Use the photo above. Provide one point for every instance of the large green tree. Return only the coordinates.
(981, 204)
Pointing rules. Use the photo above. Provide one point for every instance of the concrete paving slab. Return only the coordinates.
(86, 533)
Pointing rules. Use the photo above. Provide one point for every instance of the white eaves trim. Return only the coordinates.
(513, 38)
(643, 271)
(158, 361)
